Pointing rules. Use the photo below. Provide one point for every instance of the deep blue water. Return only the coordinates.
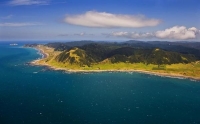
(55, 97)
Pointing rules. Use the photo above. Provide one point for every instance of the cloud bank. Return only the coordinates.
(28, 2)
(18, 24)
(108, 20)
(174, 33)
(178, 32)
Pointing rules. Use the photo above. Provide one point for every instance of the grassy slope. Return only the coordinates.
(190, 69)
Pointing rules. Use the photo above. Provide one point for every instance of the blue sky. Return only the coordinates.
(100, 20)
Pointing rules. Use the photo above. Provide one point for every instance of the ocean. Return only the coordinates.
(38, 95)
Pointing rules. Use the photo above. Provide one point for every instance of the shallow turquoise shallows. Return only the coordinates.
(37, 95)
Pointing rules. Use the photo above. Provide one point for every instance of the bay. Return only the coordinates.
(37, 95)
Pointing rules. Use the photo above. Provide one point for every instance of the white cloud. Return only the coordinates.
(132, 35)
(77, 34)
(174, 33)
(28, 2)
(178, 33)
(18, 24)
(81, 34)
(7, 17)
(84, 34)
(64, 35)
(108, 20)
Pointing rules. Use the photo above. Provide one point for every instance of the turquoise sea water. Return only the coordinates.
(37, 95)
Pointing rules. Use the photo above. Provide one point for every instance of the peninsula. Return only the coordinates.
(177, 59)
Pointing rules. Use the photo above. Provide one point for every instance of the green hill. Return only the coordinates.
(96, 53)
(155, 57)
(75, 56)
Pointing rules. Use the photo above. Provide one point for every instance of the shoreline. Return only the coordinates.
(41, 52)
(169, 75)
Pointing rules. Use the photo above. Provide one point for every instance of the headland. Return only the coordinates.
(50, 59)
